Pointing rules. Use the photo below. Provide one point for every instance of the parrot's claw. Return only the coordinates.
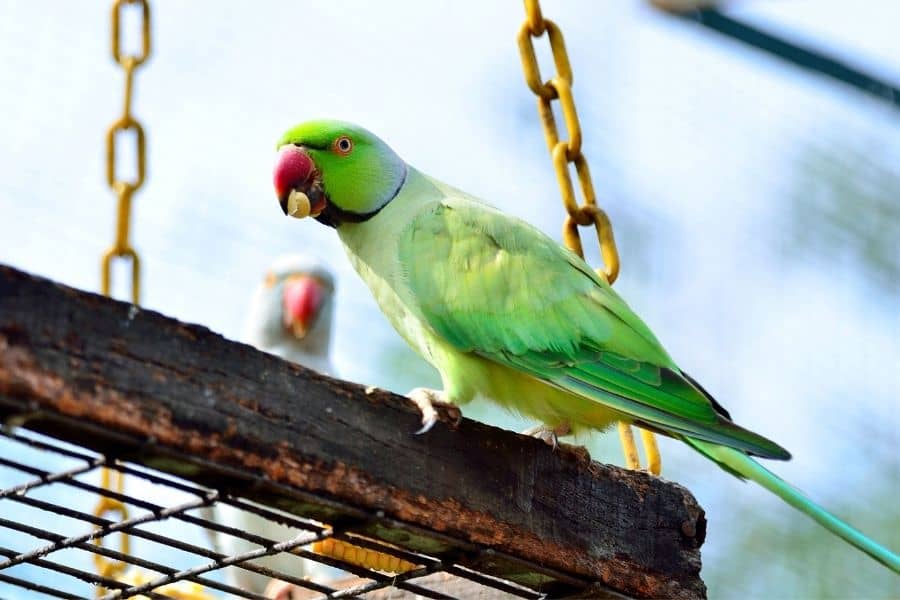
(549, 435)
(428, 421)
(543, 433)
(425, 399)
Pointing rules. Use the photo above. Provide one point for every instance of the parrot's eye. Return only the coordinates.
(343, 145)
(271, 279)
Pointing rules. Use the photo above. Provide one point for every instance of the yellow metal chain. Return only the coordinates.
(121, 247)
(564, 153)
(123, 188)
(112, 569)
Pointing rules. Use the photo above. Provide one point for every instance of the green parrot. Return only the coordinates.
(505, 313)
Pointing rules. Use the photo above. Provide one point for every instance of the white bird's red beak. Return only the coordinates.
(301, 299)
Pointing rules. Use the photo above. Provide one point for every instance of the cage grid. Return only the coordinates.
(54, 538)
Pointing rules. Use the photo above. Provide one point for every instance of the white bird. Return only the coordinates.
(291, 312)
(290, 316)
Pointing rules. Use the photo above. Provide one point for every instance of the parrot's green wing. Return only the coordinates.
(495, 286)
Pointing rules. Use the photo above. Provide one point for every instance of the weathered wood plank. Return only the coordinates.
(174, 396)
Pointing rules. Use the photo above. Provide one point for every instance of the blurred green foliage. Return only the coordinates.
(844, 208)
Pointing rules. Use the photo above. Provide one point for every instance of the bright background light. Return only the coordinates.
(757, 208)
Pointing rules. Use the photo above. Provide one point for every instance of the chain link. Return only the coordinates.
(123, 188)
(121, 248)
(112, 569)
(565, 152)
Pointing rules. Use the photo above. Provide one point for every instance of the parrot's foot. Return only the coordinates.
(651, 449)
(549, 435)
(425, 399)
(632, 460)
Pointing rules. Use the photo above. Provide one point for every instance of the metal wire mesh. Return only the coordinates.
(180, 533)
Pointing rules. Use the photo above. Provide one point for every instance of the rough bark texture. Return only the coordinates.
(177, 397)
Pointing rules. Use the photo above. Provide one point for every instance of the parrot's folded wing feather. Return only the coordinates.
(497, 287)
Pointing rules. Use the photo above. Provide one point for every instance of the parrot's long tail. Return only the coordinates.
(738, 463)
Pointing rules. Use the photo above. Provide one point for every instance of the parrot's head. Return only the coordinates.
(336, 172)
(292, 307)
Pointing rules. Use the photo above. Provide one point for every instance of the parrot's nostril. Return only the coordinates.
(292, 168)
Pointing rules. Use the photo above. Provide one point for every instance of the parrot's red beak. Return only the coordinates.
(298, 189)
(302, 299)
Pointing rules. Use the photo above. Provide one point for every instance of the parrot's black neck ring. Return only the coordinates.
(333, 215)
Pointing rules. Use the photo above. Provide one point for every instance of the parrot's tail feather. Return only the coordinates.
(738, 463)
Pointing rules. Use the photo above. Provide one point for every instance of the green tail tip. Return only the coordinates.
(738, 463)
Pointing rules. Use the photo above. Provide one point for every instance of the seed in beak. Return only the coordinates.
(298, 205)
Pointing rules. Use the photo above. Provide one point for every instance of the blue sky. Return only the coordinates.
(693, 142)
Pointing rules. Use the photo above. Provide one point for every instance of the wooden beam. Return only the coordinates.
(139, 386)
